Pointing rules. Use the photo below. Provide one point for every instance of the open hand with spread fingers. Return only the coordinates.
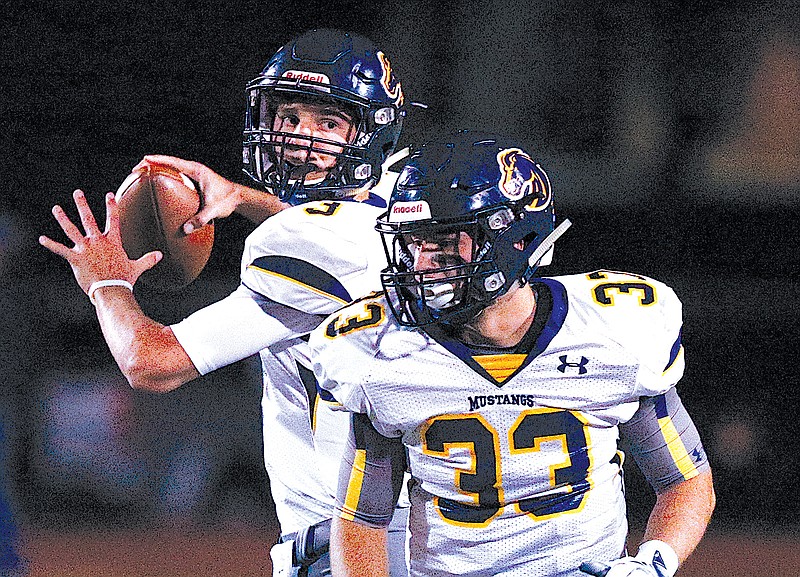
(97, 256)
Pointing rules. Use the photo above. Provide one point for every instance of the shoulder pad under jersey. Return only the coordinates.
(347, 342)
(315, 257)
(640, 313)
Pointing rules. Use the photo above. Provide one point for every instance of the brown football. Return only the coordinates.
(153, 205)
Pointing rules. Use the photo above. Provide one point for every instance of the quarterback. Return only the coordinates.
(506, 394)
(322, 120)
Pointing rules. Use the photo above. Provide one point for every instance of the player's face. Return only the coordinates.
(318, 121)
(440, 256)
(440, 251)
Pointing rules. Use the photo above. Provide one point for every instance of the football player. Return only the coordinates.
(505, 392)
(321, 121)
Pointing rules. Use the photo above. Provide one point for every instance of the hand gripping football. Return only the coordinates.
(154, 202)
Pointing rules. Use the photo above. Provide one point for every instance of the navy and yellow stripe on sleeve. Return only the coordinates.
(664, 441)
(355, 482)
(370, 486)
(304, 274)
(672, 438)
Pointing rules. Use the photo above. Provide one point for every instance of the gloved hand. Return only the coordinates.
(631, 567)
(282, 561)
(293, 558)
(654, 559)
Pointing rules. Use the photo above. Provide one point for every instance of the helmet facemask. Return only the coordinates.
(289, 164)
(465, 274)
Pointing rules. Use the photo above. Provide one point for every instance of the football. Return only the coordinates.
(154, 202)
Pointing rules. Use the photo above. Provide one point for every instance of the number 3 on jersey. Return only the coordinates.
(483, 480)
(603, 293)
(373, 314)
(323, 208)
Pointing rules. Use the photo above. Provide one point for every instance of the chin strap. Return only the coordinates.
(548, 243)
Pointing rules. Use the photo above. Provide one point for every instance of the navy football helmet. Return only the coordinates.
(326, 67)
(475, 187)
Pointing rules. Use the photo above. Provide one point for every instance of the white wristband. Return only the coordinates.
(104, 283)
(660, 555)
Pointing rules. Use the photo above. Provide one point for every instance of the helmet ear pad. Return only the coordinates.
(513, 249)
(507, 257)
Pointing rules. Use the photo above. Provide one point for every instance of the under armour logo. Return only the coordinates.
(581, 366)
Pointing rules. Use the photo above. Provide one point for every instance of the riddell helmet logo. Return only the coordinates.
(309, 76)
(409, 211)
(522, 177)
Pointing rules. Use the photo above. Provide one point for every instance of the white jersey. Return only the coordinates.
(514, 457)
(298, 266)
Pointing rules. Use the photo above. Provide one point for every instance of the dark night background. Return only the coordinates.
(670, 131)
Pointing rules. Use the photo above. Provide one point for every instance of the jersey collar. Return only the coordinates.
(552, 307)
